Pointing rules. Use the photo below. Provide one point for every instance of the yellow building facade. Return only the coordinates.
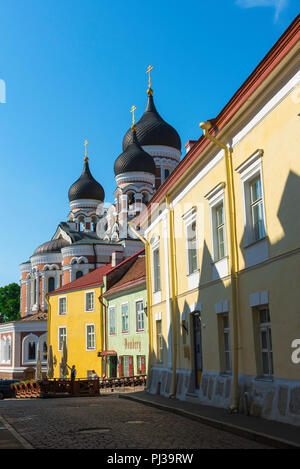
(75, 315)
(223, 252)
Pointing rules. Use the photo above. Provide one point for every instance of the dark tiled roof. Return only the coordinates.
(86, 187)
(135, 274)
(39, 316)
(151, 129)
(134, 158)
(55, 245)
(91, 279)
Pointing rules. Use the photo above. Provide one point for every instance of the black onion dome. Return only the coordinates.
(55, 245)
(134, 158)
(86, 187)
(151, 129)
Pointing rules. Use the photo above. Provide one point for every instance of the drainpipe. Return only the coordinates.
(173, 293)
(148, 283)
(206, 126)
(105, 332)
(48, 321)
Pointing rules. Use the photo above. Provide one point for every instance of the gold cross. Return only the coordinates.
(132, 110)
(149, 71)
(85, 144)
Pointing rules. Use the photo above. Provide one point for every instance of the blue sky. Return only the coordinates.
(74, 68)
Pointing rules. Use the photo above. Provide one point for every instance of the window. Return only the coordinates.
(44, 351)
(34, 291)
(62, 336)
(265, 341)
(51, 284)
(166, 173)
(90, 301)
(156, 269)
(79, 274)
(31, 350)
(125, 317)
(141, 364)
(62, 305)
(226, 365)
(159, 341)
(252, 186)
(192, 247)
(112, 320)
(5, 350)
(90, 337)
(256, 203)
(139, 307)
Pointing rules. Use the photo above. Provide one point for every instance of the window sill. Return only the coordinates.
(197, 271)
(253, 243)
(225, 374)
(269, 379)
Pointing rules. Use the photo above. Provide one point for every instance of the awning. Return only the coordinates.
(107, 352)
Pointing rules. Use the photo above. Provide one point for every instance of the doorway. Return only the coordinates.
(197, 348)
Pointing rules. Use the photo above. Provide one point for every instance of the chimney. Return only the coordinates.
(190, 145)
(116, 258)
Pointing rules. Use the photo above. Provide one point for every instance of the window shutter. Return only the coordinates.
(130, 366)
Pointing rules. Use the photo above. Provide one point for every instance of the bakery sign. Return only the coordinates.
(132, 345)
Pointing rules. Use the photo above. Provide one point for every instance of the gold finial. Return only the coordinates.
(149, 91)
(86, 158)
(133, 119)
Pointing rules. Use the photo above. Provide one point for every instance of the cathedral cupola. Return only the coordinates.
(134, 158)
(85, 195)
(156, 137)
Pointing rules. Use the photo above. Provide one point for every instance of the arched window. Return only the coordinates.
(145, 198)
(79, 274)
(94, 223)
(34, 291)
(51, 284)
(30, 348)
(131, 198)
(81, 224)
(5, 350)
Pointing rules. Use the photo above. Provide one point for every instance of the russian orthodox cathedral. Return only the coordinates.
(93, 236)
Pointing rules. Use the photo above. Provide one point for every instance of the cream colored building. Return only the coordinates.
(223, 251)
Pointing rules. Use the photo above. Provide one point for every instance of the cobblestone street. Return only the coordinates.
(108, 422)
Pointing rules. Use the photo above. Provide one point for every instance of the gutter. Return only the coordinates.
(148, 283)
(173, 293)
(206, 126)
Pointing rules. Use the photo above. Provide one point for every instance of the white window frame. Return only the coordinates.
(25, 352)
(112, 307)
(159, 341)
(90, 292)
(5, 350)
(226, 351)
(189, 219)
(59, 311)
(216, 198)
(265, 328)
(66, 337)
(87, 334)
(140, 300)
(156, 285)
(250, 170)
(127, 330)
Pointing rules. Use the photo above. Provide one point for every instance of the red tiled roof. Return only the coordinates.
(89, 280)
(134, 275)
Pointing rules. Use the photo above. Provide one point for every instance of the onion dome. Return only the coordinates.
(86, 187)
(151, 129)
(134, 158)
(55, 245)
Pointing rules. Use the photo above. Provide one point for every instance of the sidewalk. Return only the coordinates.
(269, 432)
(10, 439)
